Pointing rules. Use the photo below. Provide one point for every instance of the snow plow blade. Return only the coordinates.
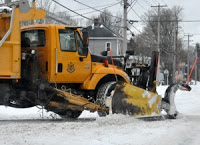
(131, 100)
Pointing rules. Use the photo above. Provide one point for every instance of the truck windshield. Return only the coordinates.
(33, 38)
(67, 40)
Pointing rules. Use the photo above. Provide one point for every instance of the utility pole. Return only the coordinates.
(196, 54)
(188, 56)
(196, 66)
(175, 47)
(124, 48)
(158, 42)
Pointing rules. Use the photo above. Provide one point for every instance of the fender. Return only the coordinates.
(98, 72)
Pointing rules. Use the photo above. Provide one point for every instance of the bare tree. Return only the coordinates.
(71, 21)
(109, 20)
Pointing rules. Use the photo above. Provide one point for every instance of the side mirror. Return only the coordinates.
(104, 53)
(85, 51)
(85, 37)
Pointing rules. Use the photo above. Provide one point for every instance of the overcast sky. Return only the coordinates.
(191, 11)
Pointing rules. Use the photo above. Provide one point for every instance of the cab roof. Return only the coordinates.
(47, 26)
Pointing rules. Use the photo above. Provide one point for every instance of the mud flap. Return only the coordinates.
(131, 100)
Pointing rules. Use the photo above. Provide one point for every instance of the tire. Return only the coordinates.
(69, 114)
(104, 91)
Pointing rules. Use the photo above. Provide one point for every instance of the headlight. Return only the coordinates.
(135, 71)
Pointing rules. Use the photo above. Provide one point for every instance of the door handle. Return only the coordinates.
(60, 67)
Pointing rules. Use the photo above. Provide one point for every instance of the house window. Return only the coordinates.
(108, 46)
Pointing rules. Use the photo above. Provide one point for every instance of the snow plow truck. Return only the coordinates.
(50, 65)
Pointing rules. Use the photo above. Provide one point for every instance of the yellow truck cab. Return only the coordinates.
(65, 61)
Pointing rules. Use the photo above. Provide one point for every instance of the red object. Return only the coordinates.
(106, 63)
(5, 76)
(112, 63)
(191, 70)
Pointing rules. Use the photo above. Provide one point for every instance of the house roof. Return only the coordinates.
(100, 31)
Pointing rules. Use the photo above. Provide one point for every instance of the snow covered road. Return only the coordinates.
(26, 127)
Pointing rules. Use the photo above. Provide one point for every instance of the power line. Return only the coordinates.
(71, 10)
(95, 6)
(182, 21)
(99, 9)
(136, 28)
(132, 4)
(190, 21)
(96, 9)
(137, 14)
(104, 12)
(142, 6)
(148, 3)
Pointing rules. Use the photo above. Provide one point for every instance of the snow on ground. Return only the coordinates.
(34, 126)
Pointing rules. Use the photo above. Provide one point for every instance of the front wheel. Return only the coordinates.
(69, 114)
(104, 92)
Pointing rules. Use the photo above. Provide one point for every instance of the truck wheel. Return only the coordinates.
(69, 114)
(104, 92)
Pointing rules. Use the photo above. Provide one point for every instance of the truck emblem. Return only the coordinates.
(70, 68)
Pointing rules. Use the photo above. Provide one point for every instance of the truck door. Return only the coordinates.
(72, 65)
